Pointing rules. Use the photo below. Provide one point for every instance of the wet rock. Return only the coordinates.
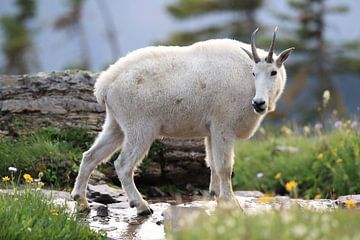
(100, 209)
(105, 199)
(106, 195)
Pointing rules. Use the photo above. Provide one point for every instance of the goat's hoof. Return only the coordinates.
(132, 204)
(75, 197)
(228, 202)
(146, 212)
(213, 194)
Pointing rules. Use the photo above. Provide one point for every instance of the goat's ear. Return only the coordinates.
(283, 56)
(248, 53)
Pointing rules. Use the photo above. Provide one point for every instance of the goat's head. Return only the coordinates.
(269, 76)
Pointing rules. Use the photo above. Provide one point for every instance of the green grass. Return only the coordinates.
(327, 164)
(288, 224)
(56, 153)
(29, 215)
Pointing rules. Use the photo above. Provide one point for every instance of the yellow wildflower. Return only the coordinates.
(265, 198)
(41, 184)
(320, 156)
(334, 151)
(317, 196)
(339, 160)
(285, 130)
(54, 212)
(6, 179)
(28, 178)
(347, 123)
(290, 186)
(277, 175)
(350, 203)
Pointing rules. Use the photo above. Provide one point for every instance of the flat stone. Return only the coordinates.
(255, 194)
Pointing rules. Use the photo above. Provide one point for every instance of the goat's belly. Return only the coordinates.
(183, 130)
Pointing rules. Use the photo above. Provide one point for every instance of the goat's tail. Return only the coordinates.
(104, 81)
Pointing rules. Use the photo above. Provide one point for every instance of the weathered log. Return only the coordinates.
(66, 100)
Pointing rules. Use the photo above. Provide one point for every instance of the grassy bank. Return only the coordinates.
(320, 165)
(29, 215)
(317, 164)
(289, 224)
(56, 153)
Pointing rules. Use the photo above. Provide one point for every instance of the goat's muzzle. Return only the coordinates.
(259, 105)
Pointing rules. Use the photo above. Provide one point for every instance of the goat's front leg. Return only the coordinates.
(223, 153)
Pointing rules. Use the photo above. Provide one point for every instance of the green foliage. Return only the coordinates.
(289, 224)
(188, 8)
(30, 215)
(17, 36)
(238, 28)
(54, 152)
(327, 164)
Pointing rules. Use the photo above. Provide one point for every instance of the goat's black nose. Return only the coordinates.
(259, 105)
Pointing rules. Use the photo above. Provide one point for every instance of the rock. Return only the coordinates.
(342, 200)
(155, 192)
(254, 194)
(102, 211)
(98, 178)
(105, 194)
(57, 99)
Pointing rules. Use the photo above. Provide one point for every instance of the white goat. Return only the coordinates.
(217, 89)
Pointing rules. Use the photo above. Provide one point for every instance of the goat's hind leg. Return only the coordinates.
(108, 142)
(136, 145)
(214, 187)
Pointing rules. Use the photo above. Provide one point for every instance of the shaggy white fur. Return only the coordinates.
(202, 90)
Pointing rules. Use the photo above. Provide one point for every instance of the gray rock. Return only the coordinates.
(255, 194)
(342, 200)
(155, 192)
(98, 178)
(105, 194)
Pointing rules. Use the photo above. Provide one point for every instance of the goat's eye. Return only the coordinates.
(253, 74)
(273, 73)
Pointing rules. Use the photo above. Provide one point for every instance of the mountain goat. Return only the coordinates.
(217, 89)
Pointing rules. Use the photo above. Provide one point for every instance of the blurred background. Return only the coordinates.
(40, 35)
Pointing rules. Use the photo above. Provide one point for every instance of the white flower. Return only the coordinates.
(318, 126)
(299, 230)
(260, 175)
(12, 169)
(307, 130)
(326, 97)
(354, 124)
(338, 124)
